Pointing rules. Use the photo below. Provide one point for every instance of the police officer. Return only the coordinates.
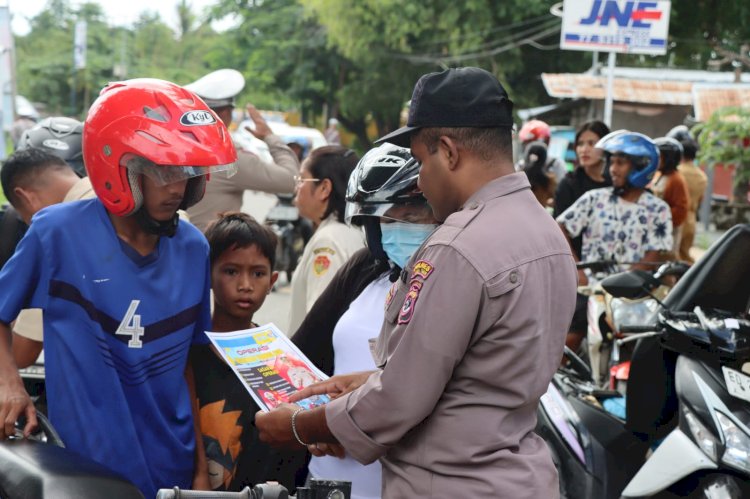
(474, 327)
(218, 89)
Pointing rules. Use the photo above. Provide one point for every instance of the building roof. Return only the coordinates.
(707, 98)
(706, 91)
(583, 86)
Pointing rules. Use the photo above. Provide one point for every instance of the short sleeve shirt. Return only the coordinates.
(615, 229)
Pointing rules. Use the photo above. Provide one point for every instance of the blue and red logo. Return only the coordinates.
(633, 21)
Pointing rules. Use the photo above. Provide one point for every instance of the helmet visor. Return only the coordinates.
(418, 212)
(164, 174)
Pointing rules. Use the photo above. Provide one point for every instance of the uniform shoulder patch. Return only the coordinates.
(391, 294)
(410, 302)
(321, 265)
(422, 269)
(324, 250)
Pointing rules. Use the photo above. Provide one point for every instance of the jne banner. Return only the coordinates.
(625, 26)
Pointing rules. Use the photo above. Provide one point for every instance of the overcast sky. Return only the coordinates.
(119, 12)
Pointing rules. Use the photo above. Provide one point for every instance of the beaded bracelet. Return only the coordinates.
(294, 426)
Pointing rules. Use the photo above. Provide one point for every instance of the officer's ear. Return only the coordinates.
(448, 148)
(27, 198)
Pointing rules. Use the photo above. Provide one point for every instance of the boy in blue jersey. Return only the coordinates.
(124, 288)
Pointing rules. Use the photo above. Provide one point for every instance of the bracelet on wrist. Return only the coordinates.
(294, 427)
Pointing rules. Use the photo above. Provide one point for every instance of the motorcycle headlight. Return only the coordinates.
(704, 438)
(737, 452)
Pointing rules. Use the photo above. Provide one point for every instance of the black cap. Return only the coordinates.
(456, 97)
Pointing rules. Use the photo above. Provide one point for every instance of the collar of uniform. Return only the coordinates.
(80, 190)
(330, 219)
(501, 186)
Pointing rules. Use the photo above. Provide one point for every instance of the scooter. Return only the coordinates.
(607, 315)
(292, 231)
(708, 453)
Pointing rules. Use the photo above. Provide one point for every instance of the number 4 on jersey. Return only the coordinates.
(131, 326)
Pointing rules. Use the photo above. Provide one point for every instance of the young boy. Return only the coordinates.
(124, 288)
(242, 254)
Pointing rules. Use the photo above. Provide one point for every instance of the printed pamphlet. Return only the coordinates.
(269, 365)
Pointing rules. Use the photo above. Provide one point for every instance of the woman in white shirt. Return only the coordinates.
(320, 197)
(384, 198)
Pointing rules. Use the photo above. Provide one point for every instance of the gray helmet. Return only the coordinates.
(60, 136)
(680, 133)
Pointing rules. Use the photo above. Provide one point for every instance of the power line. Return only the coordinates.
(496, 29)
(508, 43)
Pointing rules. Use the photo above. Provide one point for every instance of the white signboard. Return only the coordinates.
(6, 75)
(79, 46)
(626, 26)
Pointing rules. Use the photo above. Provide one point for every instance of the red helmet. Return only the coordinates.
(160, 122)
(534, 130)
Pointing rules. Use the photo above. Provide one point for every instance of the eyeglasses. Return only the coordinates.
(298, 181)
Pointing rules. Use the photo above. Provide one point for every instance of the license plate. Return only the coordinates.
(738, 384)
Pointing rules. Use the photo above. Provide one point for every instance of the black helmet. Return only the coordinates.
(385, 176)
(60, 136)
(670, 151)
(680, 133)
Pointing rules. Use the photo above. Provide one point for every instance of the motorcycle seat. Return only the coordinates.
(34, 470)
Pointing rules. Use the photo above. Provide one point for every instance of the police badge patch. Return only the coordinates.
(422, 269)
(410, 302)
(321, 265)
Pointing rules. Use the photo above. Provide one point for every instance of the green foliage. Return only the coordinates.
(724, 139)
(151, 49)
(355, 59)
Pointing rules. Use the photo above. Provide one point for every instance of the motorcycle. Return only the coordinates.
(703, 323)
(41, 467)
(607, 315)
(292, 231)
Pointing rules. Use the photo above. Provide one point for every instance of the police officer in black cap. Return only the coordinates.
(218, 89)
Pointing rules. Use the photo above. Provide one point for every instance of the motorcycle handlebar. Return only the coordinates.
(262, 491)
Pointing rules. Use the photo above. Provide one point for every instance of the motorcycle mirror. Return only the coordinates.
(632, 284)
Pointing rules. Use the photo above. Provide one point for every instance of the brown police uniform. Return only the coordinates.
(330, 247)
(473, 332)
(253, 173)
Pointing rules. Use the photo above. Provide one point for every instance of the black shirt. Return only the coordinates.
(574, 185)
(237, 458)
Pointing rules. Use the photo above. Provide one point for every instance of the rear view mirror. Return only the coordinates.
(633, 284)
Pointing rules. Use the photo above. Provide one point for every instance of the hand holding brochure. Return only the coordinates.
(269, 365)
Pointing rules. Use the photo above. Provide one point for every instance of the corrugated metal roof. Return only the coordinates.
(644, 91)
(708, 98)
(687, 75)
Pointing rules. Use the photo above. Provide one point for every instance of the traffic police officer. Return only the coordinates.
(218, 89)
(474, 328)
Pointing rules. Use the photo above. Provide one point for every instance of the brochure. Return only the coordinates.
(269, 365)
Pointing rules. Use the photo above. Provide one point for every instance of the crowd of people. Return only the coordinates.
(437, 289)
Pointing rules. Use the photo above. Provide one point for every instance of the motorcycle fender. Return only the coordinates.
(676, 458)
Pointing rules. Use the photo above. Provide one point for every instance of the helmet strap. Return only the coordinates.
(156, 227)
(373, 237)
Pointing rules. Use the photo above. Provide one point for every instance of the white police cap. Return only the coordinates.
(218, 88)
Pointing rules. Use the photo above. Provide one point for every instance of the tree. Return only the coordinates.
(725, 139)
